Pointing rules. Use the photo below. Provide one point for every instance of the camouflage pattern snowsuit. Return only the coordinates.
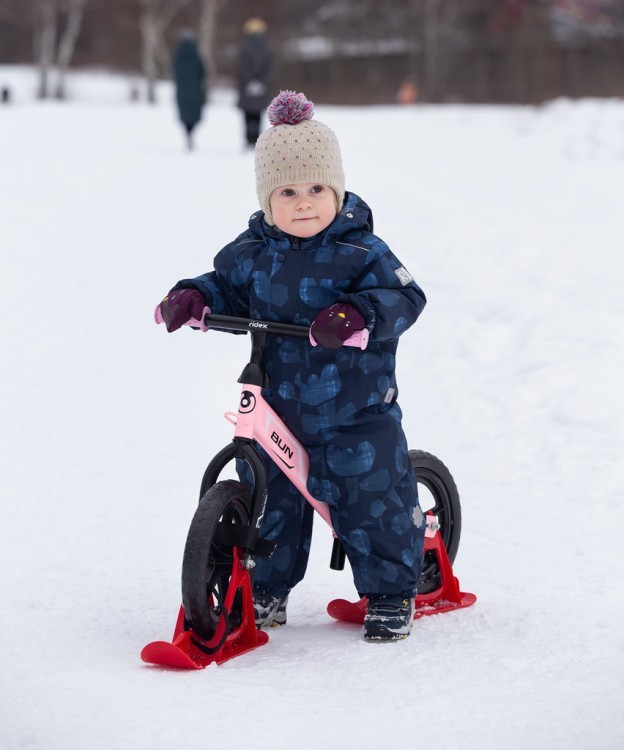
(341, 404)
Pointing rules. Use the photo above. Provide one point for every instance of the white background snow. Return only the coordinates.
(511, 220)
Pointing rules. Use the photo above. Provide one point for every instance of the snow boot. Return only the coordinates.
(388, 617)
(269, 609)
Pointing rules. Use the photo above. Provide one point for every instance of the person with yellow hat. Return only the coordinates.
(255, 69)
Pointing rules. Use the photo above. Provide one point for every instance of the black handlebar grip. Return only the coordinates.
(337, 561)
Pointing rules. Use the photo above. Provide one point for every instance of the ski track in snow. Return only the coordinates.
(510, 218)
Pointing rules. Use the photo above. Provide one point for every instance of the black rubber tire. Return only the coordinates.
(433, 474)
(207, 566)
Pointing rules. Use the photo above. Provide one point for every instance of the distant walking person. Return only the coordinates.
(190, 79)
(255, 68)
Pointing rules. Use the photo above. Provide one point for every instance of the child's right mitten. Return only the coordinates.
(180, 306)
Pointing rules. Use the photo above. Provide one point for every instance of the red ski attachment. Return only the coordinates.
(189, 651)
(444, 599)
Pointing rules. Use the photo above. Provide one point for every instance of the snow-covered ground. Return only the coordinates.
(511, 220)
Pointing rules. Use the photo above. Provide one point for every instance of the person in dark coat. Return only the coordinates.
(189, 75)
(255, 68)
(310, 257)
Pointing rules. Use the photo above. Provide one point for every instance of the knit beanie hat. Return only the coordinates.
(254, 26)
(296, 149)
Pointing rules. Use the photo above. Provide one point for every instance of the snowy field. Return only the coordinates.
(511, 220)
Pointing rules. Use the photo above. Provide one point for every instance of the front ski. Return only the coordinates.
(188, 651)
(185, 652)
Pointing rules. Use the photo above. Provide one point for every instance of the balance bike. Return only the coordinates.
(216, 620)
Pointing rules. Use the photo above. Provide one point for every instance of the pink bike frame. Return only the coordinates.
(257, 421)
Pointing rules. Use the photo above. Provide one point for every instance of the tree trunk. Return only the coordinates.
(67, 43)
(207, 25)
(149, 45)
(45, 42)
(155, 18)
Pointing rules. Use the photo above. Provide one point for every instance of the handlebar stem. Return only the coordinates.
(254, 372)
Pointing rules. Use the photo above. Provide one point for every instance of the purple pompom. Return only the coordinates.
(290, 108)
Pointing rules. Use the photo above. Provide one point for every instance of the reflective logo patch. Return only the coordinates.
(403, 275)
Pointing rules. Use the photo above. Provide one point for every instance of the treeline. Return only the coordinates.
(349, 51)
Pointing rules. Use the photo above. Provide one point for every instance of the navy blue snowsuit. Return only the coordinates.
(340, 403)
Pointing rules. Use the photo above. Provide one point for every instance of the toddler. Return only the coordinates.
(310, 257)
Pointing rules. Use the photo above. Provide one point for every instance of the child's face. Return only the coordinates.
(303, 209)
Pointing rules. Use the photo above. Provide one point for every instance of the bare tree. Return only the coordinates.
(155, 18)
(208, 12)
(67, 43)
(55, 42)
(44, 19)
(45, 41)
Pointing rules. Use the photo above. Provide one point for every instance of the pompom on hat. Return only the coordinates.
(296, 149)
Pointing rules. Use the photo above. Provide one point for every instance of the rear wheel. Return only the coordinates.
(207, 564)
(438, 494)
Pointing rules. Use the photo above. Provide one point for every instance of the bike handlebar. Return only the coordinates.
(248, 324)
(359, 339)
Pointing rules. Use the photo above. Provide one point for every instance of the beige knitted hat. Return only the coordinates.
(255, 26)
(296, 149)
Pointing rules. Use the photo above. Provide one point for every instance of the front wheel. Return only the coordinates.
(207, 564)
(438, 494)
